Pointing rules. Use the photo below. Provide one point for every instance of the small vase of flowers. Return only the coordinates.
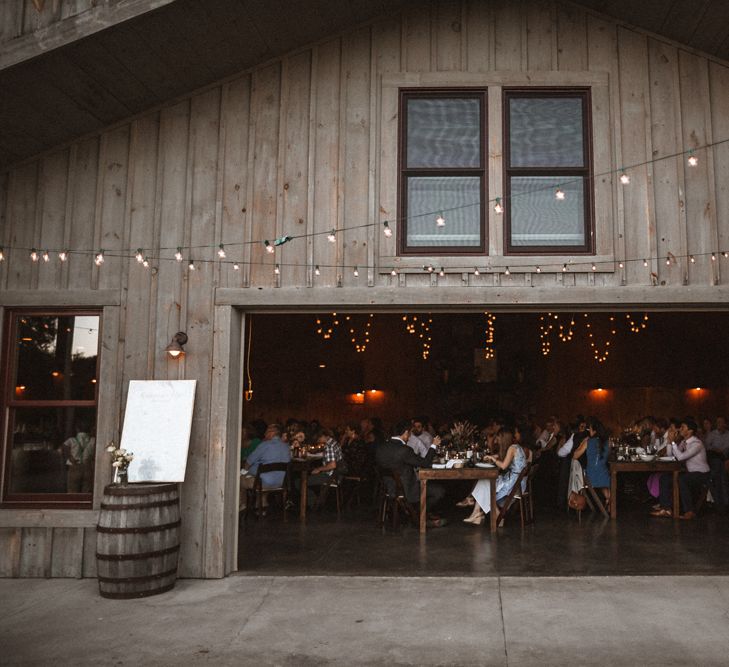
(120, 460)
(463, 435)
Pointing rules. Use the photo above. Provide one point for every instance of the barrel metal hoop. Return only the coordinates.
(142, 506)
(142, 529)
(138, 594)
(132, 580)
(141, 490)
(149, 554)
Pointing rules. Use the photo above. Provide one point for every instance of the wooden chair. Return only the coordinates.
(393, 502)
(336, 484)
(591, 494)
(255, 495)
(515, 495)
(354, 483)
(533, 468)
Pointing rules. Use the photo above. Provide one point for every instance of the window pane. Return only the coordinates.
(56, 357)
(538, 218)
(458, 197)
(546, 132)
(53, 450)
(443, 132)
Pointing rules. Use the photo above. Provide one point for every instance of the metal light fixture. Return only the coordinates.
(175, 349)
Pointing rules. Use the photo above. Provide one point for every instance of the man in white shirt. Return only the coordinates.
(717, 449)
(420, 440)
(691, 451)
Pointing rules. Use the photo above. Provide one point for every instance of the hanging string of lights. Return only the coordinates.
(360, 343)
(489, 351)
(440, 221)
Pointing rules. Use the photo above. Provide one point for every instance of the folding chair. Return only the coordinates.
(515, 495)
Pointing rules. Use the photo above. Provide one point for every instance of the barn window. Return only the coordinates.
(49, 402)
(547, 183)
(442, 171)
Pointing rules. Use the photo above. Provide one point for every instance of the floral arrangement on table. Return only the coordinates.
(463, 435)
(120, 460)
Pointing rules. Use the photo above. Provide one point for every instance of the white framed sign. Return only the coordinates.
(157, 425)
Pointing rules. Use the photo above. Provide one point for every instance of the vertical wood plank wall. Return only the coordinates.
(292, 148)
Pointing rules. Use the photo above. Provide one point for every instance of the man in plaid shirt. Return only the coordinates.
(332, 464)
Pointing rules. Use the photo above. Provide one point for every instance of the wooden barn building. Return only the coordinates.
(197, 166)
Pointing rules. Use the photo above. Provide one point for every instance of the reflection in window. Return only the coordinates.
(50, 407)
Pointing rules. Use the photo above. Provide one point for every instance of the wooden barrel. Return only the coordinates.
(138, 540)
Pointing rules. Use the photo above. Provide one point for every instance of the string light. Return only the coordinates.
(636, 327)
(46, 256)
(332, 236)
(539, 270)
(139, 255)
(277, 270)
(600, 357)
(429, 268)
(361, 346)
(99, 258)
(624, 178)
(507, 272)
(693, 259)
(387, 230)
(268, 246)
(498, 208)
(221, 251)
(564, 268)
(2, 254)
(645, 262)
(713, 257)
(327, 330)
(692, 159)
(545, 329)
(191, 265)
(440, 220)
(236, 267)
(476, 272)
(489, 352)
(178, 255)
(317, 270)
(594, 268)
(145, 263)
(356, 272)
(63, 255)
(725, 254)
(621, 265)
(393, 273)
(34, 255)
(441, 273)
(559, 194)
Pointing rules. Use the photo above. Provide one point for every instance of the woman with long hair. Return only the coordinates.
(597, 449)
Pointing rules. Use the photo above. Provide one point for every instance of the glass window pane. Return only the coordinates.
(56, 357)
(546, 132)
(443, 132)
(53, 450)
(538, 218)
(458, 197)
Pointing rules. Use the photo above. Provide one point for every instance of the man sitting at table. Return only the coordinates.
(420, 440)
(717, 450)
(332, 464)
(272, 450)
(394, 454)
(691, 451)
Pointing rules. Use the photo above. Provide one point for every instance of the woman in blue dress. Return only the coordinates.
(514, 461)
(596, 449)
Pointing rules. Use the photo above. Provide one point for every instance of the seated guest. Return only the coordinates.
(691, 451)
(272, 450)
(420, 440)
(577, 433)
(354, 450)
(513, 462)
(595, 447)
(332, 464)
(394, 454)
(717, 450)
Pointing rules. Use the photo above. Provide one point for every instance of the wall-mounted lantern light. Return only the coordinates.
(175, 349)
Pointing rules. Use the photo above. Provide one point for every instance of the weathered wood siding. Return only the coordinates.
(302, 145)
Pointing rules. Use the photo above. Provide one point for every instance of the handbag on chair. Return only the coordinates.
(576, 501)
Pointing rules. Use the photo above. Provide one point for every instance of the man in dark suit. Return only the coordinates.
(394, 454)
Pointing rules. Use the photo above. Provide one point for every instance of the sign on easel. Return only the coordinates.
(157, 425)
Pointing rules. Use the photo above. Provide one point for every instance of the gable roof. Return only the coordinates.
(118, 72)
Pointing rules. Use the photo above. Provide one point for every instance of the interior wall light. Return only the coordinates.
(175, 348)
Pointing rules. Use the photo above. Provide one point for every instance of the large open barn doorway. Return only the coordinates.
(334, 368)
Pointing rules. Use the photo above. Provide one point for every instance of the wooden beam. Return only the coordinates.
(74, 28)
(45, 518)
(57, 298)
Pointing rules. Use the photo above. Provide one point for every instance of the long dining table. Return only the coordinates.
(616, 467)
(436, 474)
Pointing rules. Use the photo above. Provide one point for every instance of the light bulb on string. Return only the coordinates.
(725, 254)
(317, 270)
(191, 265)
(178, 255)
(539, 269)
(269, 247)
(594, 268)
(476, 272)
(559, 194)
(564, 268)
(693, 259)
(356, 272)
(713, 257)
(46, 256)
(221, 251)
(498, 208)
(145, 263)
(440, 220)
(139, 255)
(33, 255)
(99, 258)
(624, 178)
(507, 272)
(2, 254)
(441, 273)
(277, 270)
(621, 265)
(236, 267)
(393, 273)
(645, 262)
(332, 236)
(63, 255)
(692, 159)
(387, 230)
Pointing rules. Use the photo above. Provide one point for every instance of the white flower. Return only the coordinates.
(130, 457)
(117, 452)
(116, 464)
(122, 452)
(111, 448)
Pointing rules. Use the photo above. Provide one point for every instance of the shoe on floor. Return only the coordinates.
(688, 516)
(661, 513)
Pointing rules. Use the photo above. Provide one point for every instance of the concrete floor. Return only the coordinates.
(371, 621)
(555, 545)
